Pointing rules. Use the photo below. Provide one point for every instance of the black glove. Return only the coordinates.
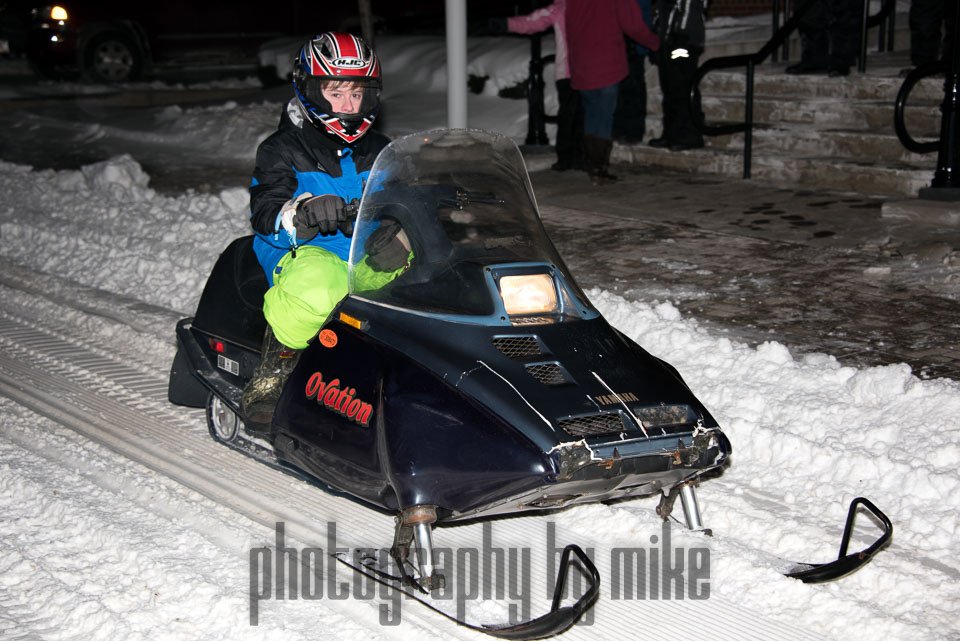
(321, 214)
(385, 251)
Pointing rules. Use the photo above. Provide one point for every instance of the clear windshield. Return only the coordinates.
(464, 202)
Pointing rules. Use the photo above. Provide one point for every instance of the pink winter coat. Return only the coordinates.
(595, 28)
(541, 20)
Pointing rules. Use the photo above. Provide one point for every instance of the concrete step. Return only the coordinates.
(811, 131)
(839, 143)
(877, 144)
(726, 37)
(862, 115)
(788, 170)
(881, 82)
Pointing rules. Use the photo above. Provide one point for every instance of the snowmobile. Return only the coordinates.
(478, 381)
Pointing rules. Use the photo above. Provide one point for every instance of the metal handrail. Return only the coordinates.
(750, 61)
(887, 14)
(887, 20)
(946, 179)
(899, 124)
(536, 113)
(775, 14)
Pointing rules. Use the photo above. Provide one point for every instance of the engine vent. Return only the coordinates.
(595, 425)
(547, 373)
(518, 347)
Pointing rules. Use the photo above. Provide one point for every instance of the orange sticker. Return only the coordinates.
(328, 338)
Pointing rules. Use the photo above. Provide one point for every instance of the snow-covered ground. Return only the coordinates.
(96, 546)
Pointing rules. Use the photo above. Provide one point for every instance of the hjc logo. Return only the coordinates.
(350, 63)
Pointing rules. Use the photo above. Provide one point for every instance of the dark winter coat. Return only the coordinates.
(595, 28)
(680, 25)
(297, 159)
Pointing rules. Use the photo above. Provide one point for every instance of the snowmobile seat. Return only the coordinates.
(231, 306)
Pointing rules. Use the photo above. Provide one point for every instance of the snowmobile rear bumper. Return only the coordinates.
(201, 369)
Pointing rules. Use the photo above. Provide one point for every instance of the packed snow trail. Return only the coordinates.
(122, 408)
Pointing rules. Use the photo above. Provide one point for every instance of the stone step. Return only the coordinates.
(810, 131)
(867, 116)
(881, 82)
(817, 101)
(747, 36)
(877, 144)
(846, 144)
(813, 171)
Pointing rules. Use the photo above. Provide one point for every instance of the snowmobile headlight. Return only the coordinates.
(58, 13)
(528, 294)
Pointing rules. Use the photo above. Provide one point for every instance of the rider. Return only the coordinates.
(307, 175)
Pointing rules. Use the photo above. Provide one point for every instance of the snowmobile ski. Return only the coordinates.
(846, 563)
(556, 621)
(806, 572)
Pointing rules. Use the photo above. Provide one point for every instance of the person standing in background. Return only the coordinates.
(598, 62)
(830, 36)
(680, 25)
(630, 118)
(570, 113)
(927, 21)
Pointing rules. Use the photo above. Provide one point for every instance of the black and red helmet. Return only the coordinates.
(337, 59)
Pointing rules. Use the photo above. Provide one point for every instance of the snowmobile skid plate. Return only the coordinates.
(846, 563)
(557, 620)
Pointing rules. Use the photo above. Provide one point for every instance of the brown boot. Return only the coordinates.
(598, 151)
(262, 392)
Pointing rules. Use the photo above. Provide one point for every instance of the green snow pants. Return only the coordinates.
(304, 292)
(307, 288)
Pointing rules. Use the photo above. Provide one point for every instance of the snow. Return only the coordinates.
(95, 546)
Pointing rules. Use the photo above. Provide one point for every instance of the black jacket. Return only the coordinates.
(680, 24)
(296, 159)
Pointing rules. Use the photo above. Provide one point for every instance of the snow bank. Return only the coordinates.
(833, 432)
(104, 227)
(808, 436)
(228, 130)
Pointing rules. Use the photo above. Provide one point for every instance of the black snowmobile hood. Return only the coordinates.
(555, 383)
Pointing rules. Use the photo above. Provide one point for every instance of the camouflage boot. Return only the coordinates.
(261, 394)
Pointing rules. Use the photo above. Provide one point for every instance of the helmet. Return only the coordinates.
(337, 61)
